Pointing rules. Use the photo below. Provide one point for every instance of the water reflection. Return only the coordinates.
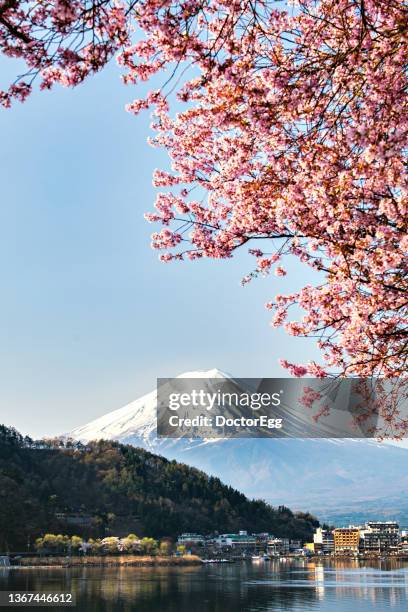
(271, 586)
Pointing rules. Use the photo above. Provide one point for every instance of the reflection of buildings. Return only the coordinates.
(346, 539)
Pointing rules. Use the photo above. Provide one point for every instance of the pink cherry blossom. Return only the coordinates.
(291, 129)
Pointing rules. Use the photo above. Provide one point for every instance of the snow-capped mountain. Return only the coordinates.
(136, 422)
(323, 475)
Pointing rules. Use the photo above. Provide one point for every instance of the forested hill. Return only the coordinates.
(105, 486)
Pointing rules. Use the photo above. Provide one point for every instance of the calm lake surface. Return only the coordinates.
(253, 587)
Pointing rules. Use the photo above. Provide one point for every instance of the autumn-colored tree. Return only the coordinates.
(293, 137)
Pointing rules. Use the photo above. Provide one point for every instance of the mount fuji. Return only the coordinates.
(339, 479)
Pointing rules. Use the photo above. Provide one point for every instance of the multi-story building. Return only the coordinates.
(323, 541)
(236, 540)
(278, 546)
(403, 545)
(346, 540)
(375, 537)
(380, 536)
(263, 537)
(389, 527)
(295, 545)
(190, 538)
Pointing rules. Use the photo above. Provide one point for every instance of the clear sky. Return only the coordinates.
(88, 315)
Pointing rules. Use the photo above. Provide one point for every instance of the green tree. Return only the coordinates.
(76, 543)
(149, 546)
(165, 548)
(94, 546)
(53, 543)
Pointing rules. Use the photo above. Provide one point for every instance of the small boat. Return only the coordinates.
(257, 558)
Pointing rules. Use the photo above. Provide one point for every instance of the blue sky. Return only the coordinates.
(89, 316)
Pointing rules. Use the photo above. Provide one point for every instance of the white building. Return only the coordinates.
(190, 538)
(235, 540)
(278, 546)
(323, 540)
(380, 536)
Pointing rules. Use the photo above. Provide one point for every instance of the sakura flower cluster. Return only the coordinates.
(291, 128)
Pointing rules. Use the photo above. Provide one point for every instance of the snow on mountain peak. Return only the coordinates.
(135, 420)
(304, 473)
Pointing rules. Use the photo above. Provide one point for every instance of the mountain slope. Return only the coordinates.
(104, 481)
(319, 474)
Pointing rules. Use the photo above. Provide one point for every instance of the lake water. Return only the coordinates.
(302, 586)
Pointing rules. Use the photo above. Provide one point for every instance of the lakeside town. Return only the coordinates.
(374, 539)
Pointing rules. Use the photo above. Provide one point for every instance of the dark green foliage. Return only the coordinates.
(106, 479)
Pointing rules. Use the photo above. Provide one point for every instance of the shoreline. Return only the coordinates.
(107, 561)
(160, 561)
